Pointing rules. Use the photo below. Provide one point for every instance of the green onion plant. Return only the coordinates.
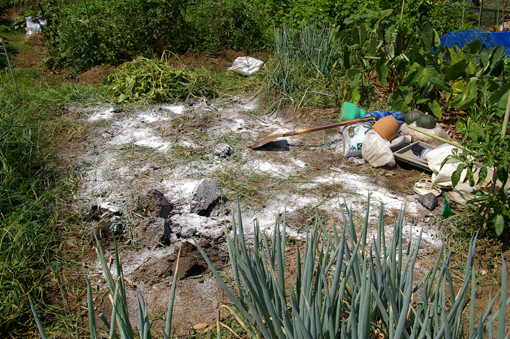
(348, 286)
(119, 325)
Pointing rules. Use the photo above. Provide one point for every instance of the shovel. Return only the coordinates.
(309, 130)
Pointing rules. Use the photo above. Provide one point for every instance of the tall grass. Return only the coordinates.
(29, 181)
(349, 287)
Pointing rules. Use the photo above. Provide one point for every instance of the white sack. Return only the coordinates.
(376, 150)
(418, 136)
(246, 65)
(442, 177)
(34, 24)
(353, 139)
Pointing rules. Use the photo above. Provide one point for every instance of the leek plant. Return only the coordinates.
(310, 49)
(347, 286)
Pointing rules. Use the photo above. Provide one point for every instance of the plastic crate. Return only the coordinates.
(405, 154)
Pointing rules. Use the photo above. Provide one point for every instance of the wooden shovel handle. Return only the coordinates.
(320, 128)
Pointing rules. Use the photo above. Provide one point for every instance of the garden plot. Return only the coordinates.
(172, 148)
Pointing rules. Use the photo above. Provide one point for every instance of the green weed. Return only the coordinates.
(30, 232)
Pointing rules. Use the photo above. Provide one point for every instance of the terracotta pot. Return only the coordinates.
(387, 127)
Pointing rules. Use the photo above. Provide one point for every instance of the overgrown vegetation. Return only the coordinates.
(94, 32)
(29, 185)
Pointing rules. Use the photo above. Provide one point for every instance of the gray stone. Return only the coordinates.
(188, 225)
(204, 196)
(117, 225)
(155, 204)
(223, 150)
(99, 204)
(153, 231)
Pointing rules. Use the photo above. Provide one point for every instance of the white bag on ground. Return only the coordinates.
(34, 24)
(246, 65)
(442, 177)
(353, 139)
(376, 150)
(417, 136)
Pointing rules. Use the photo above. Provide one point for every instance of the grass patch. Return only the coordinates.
(30, 185)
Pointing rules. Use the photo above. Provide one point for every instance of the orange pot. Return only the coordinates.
(387, 127)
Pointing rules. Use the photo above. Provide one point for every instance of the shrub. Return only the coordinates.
(226, 24)
(110, 32)
(4, 6)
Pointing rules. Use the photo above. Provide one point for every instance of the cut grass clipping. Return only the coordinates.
(151, 81)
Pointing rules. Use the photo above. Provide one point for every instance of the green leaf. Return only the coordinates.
(435, 108)
(456, 175)
(355, 96)
(37, 320)
(441, 84)
(382, 71)
(456, 70)
(483, 175)
(468, 97)
(400, 100)
(470, 177)
(373, 43)
(499, 224)
(502, 175)
(425, 32)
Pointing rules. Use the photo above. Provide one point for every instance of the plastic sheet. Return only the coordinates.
(488, 39)
(380, 114)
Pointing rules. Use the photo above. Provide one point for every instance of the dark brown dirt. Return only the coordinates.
(217, 63)
(95, 75)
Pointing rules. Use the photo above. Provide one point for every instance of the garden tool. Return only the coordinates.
(310, 130)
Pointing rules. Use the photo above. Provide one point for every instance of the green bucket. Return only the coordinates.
(350, 111)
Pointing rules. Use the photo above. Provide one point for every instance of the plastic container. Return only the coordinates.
(406, 154)
(387, 127)
(350, 111)
(420, 151)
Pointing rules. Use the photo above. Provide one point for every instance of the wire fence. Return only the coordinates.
(487, 15)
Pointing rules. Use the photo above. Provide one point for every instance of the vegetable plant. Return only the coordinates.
(349, 286)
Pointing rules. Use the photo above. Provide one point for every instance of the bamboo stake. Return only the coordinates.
(453, 143)
(503, 15)
(10, 67)
(480, 14)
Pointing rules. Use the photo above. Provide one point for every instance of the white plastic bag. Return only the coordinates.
(353, 139)
(33, 24)
(376, 150)
(246, 65)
